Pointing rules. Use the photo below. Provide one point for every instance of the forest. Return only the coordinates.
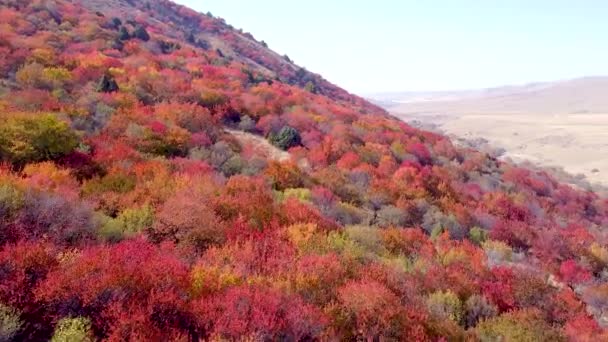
(129, 210)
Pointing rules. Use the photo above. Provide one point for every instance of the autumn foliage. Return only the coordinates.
(130, 210)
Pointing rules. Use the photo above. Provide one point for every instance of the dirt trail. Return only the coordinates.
(260, 145)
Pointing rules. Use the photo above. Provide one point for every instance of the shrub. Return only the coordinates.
(307, 239)
(115, 182)
(56, 218)
(9, 323)
(284, 175)
(72, 330)
(254, 166)
(245, 197)
(596, 297)
(56, 77)
(30, 75)
(372, 309)
(247, 124)
(207, 280)
(318, 276)
(436, 222)
(478, 235)
(348, 214)
(262, 314)
(168, 47)
(26, 139)
(573, 273)
(194, 118)
(342, 244)
(129, 222)
(293, 211)
(478, 308)
(110, 230)
(301, 194)
(211, 99)
(286, 138)
(165, 141)
(523, 325)
(497, 251)
(233, 166)
(186, 219)
(407, 242)
(11, 201)
(445, 305)
(366, 237)
(217, 155)
(391, 216)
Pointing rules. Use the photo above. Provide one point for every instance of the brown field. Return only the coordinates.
(562, 124)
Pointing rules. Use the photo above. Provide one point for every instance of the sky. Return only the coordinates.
(373, 46)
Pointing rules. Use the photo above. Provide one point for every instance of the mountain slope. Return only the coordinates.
(139, 201)
(181, 23)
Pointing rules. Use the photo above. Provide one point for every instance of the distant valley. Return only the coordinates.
(557, 124)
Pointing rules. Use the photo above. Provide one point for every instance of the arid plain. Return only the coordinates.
(559, 124)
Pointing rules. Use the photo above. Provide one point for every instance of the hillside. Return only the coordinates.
(167, 177)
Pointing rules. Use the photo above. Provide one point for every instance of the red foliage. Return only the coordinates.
(293, 211)
(24, 265)
(584, 329)
(348, 161)
(407, 242)
(420, 151)
(572, 273)
(499, 288)
(187, 220)
(260, 313)
(376, 312)
(284, 175)
(246, 197)
(516, 234)
(272, 268)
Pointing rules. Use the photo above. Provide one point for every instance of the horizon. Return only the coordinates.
(561, 40)
(498, 86)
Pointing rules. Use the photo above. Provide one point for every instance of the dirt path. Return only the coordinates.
(260, 145)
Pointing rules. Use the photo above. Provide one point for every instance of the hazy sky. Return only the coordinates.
(392, 45)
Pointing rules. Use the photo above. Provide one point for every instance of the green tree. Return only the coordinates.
(107, 84)
(123, 33)
(26, 139)
(286, 138)
(116, 23)
(141, 33)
